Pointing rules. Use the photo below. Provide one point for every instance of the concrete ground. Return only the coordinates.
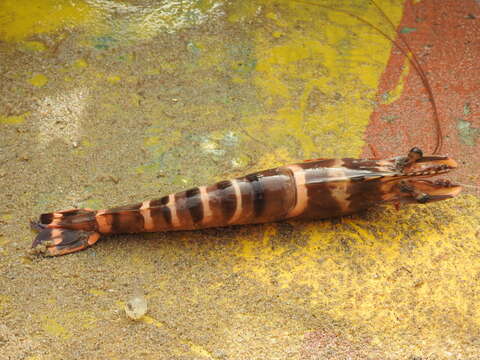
(105, 103)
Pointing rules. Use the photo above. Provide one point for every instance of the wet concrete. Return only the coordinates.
(105, 103)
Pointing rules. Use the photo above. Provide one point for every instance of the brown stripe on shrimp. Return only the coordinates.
(46, 219)
(235, 202)
(192, 208)
(257, 196)
(123, 219)
(321, 202)
(127, 221)
(250, 198)
(160, 214)
(279, 194)
(194, 205)
(224, 203)
(55, 218)
(265, 196)
(182, 211)
(81, 219)
(364, 194)
(324, 186)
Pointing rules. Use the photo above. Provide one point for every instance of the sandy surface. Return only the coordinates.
(107, 103)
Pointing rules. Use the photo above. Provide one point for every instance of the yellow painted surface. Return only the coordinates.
(97, 292)
(38, 80)
(81, 63)
(22, 18)
(196, 349)
(151, 321)
(34, 45)
(4, 300)
(216, 92)
(334, 272)
(12, 120)
(54, 328)
(395, 93)
(114, 79)
(310, 88)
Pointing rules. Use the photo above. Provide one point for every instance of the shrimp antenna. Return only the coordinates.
(409, 54)
(421, 72)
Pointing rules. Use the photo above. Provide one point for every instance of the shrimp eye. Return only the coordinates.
(415, 154)
(422, 198)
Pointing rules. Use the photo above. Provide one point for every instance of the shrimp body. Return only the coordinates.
(314, 189)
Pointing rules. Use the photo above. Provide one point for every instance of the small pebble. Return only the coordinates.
(136, 307)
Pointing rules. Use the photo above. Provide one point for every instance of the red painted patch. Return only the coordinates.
(444, 36)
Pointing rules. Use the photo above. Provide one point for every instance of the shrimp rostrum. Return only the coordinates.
(314, 189)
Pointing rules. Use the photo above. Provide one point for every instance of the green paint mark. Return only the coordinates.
(104, 42)
(246, 60)
(194, 49)
(468, 134)
(385, 97)
(245, 67)
(93, 204)
(100, 46)
(408, 30)
(389, 118)
(467, 109)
